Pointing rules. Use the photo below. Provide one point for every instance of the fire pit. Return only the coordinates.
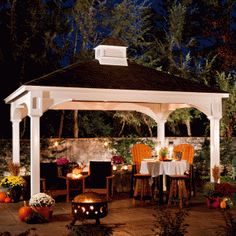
(89, 205)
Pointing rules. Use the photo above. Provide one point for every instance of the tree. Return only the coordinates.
(227, 82)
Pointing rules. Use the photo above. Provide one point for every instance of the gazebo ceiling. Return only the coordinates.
(91, 74)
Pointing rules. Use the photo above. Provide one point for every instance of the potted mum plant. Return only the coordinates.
(215, 193)
(43, 204)
(13, 186)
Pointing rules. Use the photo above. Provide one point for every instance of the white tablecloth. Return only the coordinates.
(156, 168)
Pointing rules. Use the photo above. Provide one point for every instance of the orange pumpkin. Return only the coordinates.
(25, 212)
(3, 195)
(7, 200)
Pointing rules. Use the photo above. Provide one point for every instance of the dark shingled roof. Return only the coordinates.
(132, 77)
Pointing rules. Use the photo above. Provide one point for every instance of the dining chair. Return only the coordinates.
(99, 178)
(142, 188)
(181, 186)
(186, 152)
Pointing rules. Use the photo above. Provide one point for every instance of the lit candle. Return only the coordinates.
(125, 167)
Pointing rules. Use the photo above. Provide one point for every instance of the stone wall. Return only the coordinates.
(79, 150)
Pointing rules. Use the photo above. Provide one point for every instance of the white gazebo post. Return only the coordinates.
(161, 131)
(35, 155)
(214, 143)
(16, 140)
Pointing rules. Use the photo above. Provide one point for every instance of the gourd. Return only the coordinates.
(3, 195)
(223, 204)
(25, 212)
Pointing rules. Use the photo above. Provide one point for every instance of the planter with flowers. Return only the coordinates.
(215, 193)
(43, 205)
(117, 162)
(62, 165)
(13, 186)
(163, 153)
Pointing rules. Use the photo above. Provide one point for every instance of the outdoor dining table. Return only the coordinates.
(162, 169)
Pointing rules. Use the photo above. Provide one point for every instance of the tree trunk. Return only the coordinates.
(76, 126)
(149, 128)
(122, 128)
(61, 123)
(187, 123)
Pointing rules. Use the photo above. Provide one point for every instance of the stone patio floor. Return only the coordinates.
(123, 219)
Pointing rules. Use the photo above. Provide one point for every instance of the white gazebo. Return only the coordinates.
(110, 82)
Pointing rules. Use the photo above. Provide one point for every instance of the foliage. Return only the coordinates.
(135, 120)
(28, 232)
(228, 122)
(12, 181)
(41, 200)
(14, 168)
(168, 223)
(122, 146)
(90, 230)
(212, 190)
(163, 152)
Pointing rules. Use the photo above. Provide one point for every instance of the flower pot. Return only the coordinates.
(213, 202)
(46, 212)
(15, 193)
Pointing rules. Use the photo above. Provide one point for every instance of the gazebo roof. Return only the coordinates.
(110, 83)
(91, 74)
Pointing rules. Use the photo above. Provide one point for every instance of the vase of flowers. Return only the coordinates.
(13, 186)
(43, 204)
(163, 153)
(62, 165)
(117, 161)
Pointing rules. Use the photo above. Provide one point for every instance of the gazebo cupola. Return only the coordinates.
(111, 52)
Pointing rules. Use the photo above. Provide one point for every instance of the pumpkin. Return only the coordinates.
(7, 200)
(25, 212)
(3, 195)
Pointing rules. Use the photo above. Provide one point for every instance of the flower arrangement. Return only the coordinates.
(12, 181)
(41, 200)
(62, 161)
(213, 190)
(163, 152)
(117, 159)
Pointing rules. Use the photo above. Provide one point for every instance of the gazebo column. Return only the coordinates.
(35, 154)
(161, 131)
(16, 141)
(214, 143)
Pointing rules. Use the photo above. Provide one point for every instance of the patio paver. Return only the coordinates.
(123, 219)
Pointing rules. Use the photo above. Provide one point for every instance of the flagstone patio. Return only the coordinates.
(123, 219)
